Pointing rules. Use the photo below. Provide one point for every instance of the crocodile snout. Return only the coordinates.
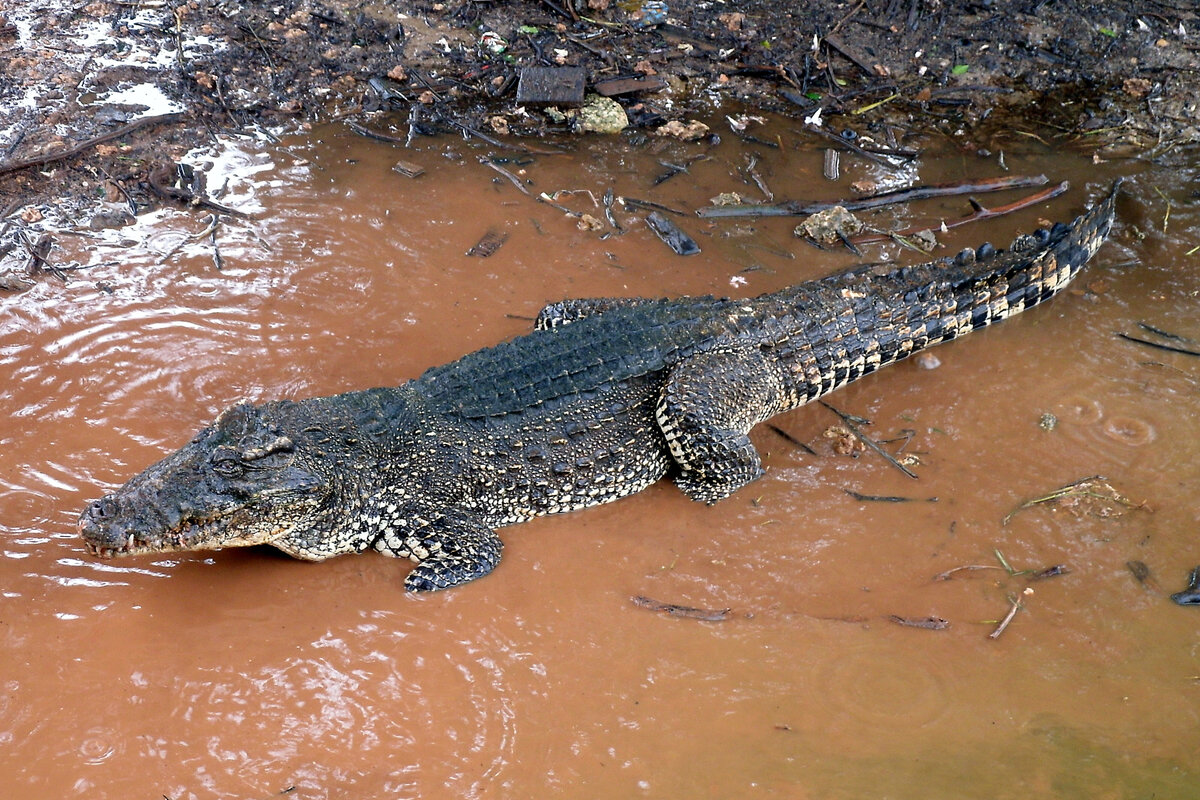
(102, 533)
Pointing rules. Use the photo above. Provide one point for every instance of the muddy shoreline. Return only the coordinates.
(100, 96)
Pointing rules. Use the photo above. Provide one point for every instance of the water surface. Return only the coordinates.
(244, 673)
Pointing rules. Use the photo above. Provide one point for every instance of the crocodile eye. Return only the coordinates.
(227, 465)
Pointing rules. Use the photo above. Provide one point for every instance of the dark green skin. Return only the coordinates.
(604, 398)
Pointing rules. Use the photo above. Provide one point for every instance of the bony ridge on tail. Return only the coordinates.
(603, 398)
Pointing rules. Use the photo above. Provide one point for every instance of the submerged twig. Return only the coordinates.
(792, 439)
(1159, 345)
(486, 161)
(885, 498)
(671, 609)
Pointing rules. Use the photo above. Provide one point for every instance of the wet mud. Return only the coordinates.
(248, 674)
(159, 78)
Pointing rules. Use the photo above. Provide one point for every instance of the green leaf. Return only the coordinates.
(813, 95)
(1109, 32)
(530, 29)
(959, 69)
(766, 44)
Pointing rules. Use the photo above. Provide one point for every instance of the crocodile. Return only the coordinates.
(603, 398)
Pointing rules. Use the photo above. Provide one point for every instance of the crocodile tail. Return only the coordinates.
(835, 330)
(947, 298)
(988, 286)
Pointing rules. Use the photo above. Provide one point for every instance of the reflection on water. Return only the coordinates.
(240, 674)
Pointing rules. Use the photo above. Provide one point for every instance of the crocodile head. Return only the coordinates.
(240, 481)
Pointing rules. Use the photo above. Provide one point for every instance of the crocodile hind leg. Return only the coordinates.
(449, 551)
(708, 405)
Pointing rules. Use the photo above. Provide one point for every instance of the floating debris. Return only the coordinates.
(488, 245)
(1093, 495)
(408, 169)
(1029, 574)
(926, 623)
(688, 612)
(671, 234)
(688, 132)
(852, 422)
(887, 498)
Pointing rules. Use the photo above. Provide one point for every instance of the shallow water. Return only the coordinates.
(244, 673)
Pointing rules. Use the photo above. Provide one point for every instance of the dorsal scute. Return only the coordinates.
(618, 344)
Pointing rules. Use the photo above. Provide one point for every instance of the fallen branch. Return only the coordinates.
(796, 208)
(980, 213)
(88, 144)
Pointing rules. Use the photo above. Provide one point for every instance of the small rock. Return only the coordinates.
(1048, 422)
(727, 199)
(687, 132)
(111, 215)
(828, 227)
(928, 361)
(601, 115)
(12, 282)
(587, 222)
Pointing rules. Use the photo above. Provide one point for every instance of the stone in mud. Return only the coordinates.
(828, 227)
(600, 115)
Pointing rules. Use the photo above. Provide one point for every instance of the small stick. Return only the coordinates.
(1146, 326)
(1158, 345)
(363, 130)
(869, 156)
(868, 441)
(792, 439)
(650, 205)
(217, 260)
(885, 498)
(513, 178)
(945, 576)
(1012, 612)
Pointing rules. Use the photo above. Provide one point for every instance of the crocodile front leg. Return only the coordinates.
(449, 551)
(708, 405)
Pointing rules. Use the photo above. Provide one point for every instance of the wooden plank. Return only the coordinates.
(551, 86)
(635, 83)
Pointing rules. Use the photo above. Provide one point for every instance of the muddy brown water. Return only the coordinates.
(240, 674)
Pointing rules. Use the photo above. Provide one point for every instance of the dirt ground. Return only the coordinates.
(97, 100)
